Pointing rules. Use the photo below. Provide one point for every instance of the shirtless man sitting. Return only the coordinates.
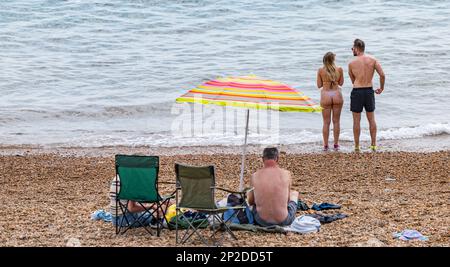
(273, 201)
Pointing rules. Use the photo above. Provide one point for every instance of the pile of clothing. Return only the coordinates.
(310, 223)
(197, 219)
(243, 220)
(317, 207)
(408, 235)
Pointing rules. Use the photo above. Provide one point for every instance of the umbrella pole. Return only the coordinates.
(244, 150)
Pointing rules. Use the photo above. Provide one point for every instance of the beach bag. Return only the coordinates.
(171, 212)
(242, 217)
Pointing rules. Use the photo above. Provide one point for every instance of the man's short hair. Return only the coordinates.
(270, 153)
(358, 43)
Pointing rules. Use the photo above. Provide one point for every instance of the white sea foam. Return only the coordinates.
(166, 139)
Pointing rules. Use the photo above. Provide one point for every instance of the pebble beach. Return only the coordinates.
(47, 198)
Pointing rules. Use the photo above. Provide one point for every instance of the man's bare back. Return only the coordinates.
(272, 199)
(361, 70)
(271, 193)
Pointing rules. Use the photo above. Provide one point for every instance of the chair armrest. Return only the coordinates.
(245, 191)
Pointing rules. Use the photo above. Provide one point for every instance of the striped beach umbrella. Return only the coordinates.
(250, 92)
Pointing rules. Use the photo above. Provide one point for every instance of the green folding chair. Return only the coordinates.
(197, 186)
(138, 177)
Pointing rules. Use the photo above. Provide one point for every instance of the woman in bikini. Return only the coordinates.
(330, 78)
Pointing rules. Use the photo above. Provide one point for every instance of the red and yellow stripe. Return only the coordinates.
(250, 92)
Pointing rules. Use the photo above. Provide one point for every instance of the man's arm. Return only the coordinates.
(250, 195)
(350, 73)
(319, 80)
(382, 77)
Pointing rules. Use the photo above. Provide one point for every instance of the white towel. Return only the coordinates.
(304, 225)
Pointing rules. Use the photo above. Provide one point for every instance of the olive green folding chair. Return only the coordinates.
(197, 186)
(138, 177)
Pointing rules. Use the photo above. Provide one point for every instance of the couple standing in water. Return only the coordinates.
(330, 78)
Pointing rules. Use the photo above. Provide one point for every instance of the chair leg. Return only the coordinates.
(157, 220)
(136, 219)
(142, 215)
(225, 226)
(117, 228)
(194, 230)
(124, 211)
(184, 238)
(215, 217)
(176, 223)
(164, 212)
(159, 207)
(213, 236)
(177, 210)
(121, 229)
(117, 212)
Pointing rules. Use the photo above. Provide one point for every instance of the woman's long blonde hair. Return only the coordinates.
(330, 67)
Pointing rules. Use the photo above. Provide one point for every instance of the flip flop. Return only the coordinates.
(357, 149)
(336, 147)
(326, 148)
(373, 148)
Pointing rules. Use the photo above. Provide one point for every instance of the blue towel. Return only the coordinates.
(325, 206)
(101, 215)
(328, 218)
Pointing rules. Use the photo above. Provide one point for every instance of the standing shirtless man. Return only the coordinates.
(361, 71)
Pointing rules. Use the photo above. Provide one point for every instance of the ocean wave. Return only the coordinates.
(415, 132)
(171, 139)
(96, 112)
(430, 129)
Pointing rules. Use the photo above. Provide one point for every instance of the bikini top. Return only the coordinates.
(332, 82)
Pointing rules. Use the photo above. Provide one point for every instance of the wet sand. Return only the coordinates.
(47, 198)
